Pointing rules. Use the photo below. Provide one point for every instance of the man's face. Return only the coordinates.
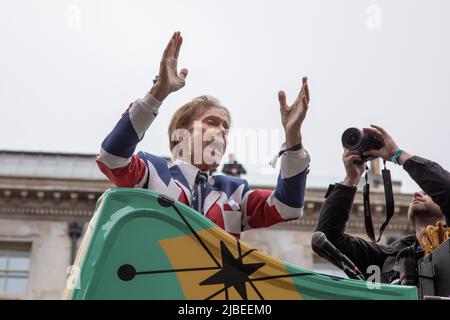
(209, 138)
(423, 210)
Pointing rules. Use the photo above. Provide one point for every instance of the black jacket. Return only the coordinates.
(228, 167)
(335, 211)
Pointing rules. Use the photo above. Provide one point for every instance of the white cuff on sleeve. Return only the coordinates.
(150, 102)
(294, 162)
(142, 113)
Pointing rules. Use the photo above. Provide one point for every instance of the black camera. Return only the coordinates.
(355, 139)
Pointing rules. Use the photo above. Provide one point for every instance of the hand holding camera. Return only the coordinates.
(389, 148)
(372, 143)
(354, 167)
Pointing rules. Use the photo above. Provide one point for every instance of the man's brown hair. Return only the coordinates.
(186, 114)
(425, 215)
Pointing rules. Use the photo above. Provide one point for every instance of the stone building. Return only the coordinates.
(46, 200)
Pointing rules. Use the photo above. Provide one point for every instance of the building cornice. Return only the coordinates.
(67, 199)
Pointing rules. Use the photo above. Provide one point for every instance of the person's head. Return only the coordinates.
(198, 132)
(423, 211)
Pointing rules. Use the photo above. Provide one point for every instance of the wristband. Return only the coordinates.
(296, 147)
(396, 156)
(293, 148)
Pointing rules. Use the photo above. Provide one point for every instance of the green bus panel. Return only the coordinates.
(143, 245)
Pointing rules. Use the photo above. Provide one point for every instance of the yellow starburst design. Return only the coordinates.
(245, 269)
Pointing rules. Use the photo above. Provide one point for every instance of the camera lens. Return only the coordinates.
(351, 138)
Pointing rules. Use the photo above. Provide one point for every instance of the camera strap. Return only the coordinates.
(389, 195)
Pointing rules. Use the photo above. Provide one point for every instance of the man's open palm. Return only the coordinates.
(169, 79)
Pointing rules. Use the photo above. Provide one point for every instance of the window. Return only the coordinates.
(14, 267)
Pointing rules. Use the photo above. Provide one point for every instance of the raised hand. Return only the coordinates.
(292, 116)
(390, 147)
(169, 79)
(353, 169)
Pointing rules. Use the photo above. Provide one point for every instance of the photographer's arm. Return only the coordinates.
(116, 158)
(433, 179)
(335, 213)
(430, 176)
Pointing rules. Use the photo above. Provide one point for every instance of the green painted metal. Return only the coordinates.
(127, 229)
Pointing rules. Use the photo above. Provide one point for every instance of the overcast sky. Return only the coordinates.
(68, 69)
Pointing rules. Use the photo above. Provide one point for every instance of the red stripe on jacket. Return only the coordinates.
(128, 176)
(261, 214)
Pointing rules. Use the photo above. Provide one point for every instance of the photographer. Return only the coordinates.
(426, 208)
